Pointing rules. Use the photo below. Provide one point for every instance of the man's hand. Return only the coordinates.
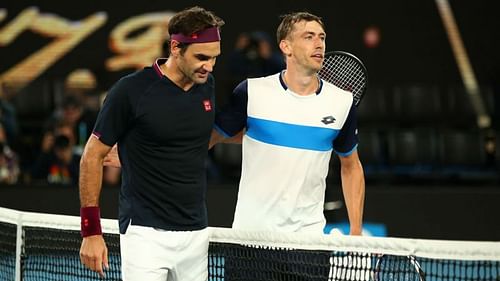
(216, 138)
(94, 254)
(112, 158)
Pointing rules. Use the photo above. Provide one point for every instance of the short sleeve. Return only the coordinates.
(115, 115)
(347, 139)
(233, 117)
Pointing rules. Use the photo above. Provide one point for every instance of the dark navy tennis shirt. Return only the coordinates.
(162, 133)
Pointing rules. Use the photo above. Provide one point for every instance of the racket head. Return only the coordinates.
(345, 71)
(393, 268)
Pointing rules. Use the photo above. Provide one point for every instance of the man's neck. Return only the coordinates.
(301, 83)
(171, 70)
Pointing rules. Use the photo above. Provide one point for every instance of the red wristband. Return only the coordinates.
(90, 221)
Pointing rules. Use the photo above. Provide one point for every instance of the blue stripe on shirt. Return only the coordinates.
(290, 135)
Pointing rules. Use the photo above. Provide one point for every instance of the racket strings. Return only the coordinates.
(390, 267)
(345, 73)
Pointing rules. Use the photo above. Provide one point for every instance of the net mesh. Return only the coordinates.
(50, 251)
(346, 72)
(53, 254)
(229, 261)
(7, 251)
(236, 262)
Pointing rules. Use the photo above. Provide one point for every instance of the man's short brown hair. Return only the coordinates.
(287, 21)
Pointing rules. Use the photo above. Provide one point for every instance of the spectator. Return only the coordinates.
(82, 84)
(9, 120)
(9, 161)
(81, 120)
(254, 56)
(57, 162)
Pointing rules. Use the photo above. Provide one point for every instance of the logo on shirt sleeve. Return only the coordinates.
(208, 105)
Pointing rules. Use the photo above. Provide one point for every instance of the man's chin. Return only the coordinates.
(319, 66)
(200, 80)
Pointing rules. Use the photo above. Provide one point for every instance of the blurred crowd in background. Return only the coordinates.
(416, 122)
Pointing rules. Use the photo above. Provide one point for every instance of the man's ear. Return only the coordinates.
(285, 47)
(174, 48)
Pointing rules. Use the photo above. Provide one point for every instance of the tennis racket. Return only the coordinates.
(345, 71)
(394, 268)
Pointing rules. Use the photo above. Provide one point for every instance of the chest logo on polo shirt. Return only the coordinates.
(207, 105)
(328, 120)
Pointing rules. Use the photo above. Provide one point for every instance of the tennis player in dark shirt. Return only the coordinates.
(161, 118)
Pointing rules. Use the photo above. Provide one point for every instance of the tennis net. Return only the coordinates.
(35, 246)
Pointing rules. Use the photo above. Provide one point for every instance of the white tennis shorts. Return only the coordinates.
(158, 255)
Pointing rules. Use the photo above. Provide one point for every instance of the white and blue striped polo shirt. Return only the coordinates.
(286, 151)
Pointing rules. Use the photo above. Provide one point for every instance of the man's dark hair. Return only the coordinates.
(189, 21)
(287, 21)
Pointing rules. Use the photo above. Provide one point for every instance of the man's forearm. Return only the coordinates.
(216, 138)
(353, 185)
(90, 187)
(90, 181)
